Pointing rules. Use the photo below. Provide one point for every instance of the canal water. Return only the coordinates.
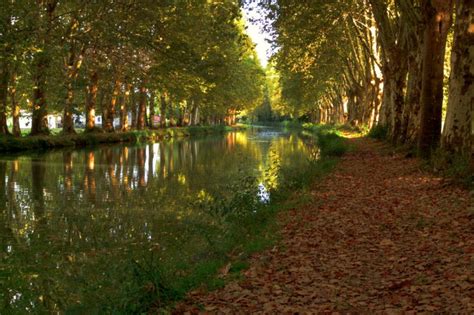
(77, 225)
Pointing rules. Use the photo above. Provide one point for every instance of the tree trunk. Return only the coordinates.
(411, 111)
(438, 17)
(133, 107)
(72, 70)
(458, 129)
(180, 116)
(109, 113)
(4, 78)
(172, 121)
(385, 115)
(68, 122)
(141, 108)
(123, 109)
(397, 96)
(41, 63)
(91, 99)
(151, 105)
(163, 110)
(39, 123)
(103, 99)
(15, 107)
(194, 114)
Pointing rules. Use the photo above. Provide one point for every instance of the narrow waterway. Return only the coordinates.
(75, 224)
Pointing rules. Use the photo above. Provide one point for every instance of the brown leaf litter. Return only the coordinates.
(382, 237)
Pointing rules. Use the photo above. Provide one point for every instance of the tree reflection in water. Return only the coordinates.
(72, 221)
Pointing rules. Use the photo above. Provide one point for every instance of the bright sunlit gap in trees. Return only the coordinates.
(252, 14)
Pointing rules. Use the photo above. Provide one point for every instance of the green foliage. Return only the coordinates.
(329, 140)
(331, 144)
(455, 167)
(195, 54)
(314, 41)
(379, 132)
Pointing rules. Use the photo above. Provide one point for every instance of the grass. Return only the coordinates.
(378, 132)
(56, 140)
(455, 167)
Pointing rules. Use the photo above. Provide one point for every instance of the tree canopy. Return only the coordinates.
(98, 57)
(378, 63)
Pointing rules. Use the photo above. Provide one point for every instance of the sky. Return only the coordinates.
(257, 35)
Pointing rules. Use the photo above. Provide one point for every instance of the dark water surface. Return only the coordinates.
(74, 223)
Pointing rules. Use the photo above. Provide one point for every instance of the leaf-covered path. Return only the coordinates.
(381, 236)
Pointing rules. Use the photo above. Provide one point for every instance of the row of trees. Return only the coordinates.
(190, 61)
(379, 62)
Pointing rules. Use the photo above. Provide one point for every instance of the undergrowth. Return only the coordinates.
(378, 132)
(455, 167)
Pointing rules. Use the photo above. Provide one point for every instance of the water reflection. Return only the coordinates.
(68, 217)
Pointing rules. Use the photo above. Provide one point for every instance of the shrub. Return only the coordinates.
(378, 132)
(331, 144)
(454, 166)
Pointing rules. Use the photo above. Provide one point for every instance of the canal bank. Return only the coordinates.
(10, 144)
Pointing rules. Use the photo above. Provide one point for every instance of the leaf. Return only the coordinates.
(386, 242)
(224, 270)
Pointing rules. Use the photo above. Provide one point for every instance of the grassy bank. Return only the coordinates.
(13, 144)
(245, 226)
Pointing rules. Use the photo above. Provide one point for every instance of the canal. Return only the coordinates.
(98, 229)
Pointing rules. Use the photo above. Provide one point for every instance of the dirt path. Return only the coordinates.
(382, 236)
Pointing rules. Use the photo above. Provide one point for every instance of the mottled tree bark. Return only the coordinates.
(411, 110)
(151, 105)
(163, 110)
(72, 70)
(109, 112)
(4, 79)
(68, 122)
(123, 109)
(15, 107)
(39, 123)
(397, 96)
(41, 64)
(133, 107)
(385, 107)
(392, 34)
(91, 99)
(141, 108)
(438, 18)
(458, 129)
(171, 114)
